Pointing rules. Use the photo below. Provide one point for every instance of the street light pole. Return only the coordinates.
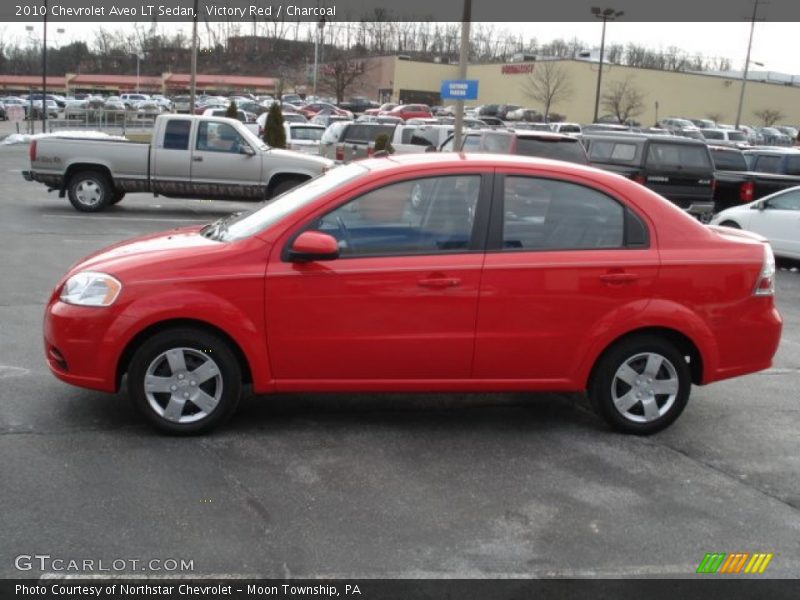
(320, 27)
(137, 72)
(746, 64)
(607, 14)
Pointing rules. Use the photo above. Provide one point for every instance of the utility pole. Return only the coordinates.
(44, 71)
(746, 64)
(463, 57)
(193, 76)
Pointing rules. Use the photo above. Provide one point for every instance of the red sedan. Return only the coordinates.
(409, 111)
(310, 110)
(445, 272)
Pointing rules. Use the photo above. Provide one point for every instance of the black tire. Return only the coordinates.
(731, 224)
(192, 413)
(117, 197)
(285, 186)
(607, 383)
(90, 191)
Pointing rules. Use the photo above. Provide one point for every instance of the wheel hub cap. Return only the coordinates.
(645, 387)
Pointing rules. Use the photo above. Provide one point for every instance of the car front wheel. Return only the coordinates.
(641, 385)
(185, 381)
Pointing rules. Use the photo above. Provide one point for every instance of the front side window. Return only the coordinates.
(420, 216)
(545, 214)
(218, 137)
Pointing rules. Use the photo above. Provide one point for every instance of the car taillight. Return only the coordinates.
(339, 152)
(639, 178)
(746, 192)
(713, 185)
(765, 286)
(32, 150)
(370, 151)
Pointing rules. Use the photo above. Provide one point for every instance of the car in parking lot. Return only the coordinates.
(409, 111)
(544, 144)
(303, 137)
(776, 217)
(510, 274)
(678, 168)
(725, 137)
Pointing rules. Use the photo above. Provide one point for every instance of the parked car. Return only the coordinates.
(573, 128)
(409, 111)
(543, 144)
(776, 217)
(50, 106)
(241, 115)
(726, 137)
(704, 123)
(382, 109)
(189, 157)
(377, 119)
(779, 161)
(680, 169)
(261, 120)
(181, 104)
(131, 100)
(303, 137)
(325, 118)
(771, 136)
(523, 114)
(354, 141)
(339, 285)
(682, 127)
(358, 105)
(294, 99)
(310, 110)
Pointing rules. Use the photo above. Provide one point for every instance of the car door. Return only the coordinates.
(779, 222)
(564, 262)
(221, 166)
(399, 304)
(172, 159)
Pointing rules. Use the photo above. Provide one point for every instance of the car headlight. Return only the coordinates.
(90, 288)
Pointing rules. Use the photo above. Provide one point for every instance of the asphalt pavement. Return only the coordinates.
(441, 485)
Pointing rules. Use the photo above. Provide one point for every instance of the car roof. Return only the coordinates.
(633, 135)
(773, 150)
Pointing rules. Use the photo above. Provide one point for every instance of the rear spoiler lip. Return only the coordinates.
(740, 233)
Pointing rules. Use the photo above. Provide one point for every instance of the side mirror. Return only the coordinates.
(246, 149)
(760, 205)
(314, 245)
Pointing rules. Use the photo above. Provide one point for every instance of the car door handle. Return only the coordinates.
(197, 158)
(618, 278)
(439, 282)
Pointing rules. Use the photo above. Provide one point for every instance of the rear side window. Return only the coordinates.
(726, 160)
(559, 149)
(793, 165)
(176, 134)
(544, 214)
(678, 157)
(713, 135)
(768, 164)
(737, 136)
(306, 133)
(612, 151)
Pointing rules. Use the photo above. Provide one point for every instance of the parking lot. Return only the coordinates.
(440, 485)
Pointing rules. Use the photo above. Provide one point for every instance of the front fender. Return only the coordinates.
(244, 327)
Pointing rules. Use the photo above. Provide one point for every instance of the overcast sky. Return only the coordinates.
(773, 43)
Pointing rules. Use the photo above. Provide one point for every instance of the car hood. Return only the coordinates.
(316, 163)
(161, 252)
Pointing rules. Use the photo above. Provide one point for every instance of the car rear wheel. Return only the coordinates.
(90, 191)
(731, 224)
(641, 385)
(185, 381)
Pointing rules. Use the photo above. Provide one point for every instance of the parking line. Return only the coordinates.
(195, 220)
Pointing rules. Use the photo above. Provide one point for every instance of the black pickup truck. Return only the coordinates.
(678, 168)
(358, 105)
(741, 176)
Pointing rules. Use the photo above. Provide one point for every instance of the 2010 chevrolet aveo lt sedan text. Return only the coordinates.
(420, 273)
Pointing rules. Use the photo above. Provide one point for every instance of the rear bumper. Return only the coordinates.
(27, 176)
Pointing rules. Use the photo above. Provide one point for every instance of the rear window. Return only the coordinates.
(570, 129)
(713, 135)
(678, 156)
(559, 149)
(176, 134)
(737, 136)
(366, 133)
(729, 161)
(307, 133)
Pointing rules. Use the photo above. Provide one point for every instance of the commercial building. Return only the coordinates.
(666, 93)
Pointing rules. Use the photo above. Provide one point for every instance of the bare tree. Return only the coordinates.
(549, 84)
(342, 70)
(623, 100)
(769, 116)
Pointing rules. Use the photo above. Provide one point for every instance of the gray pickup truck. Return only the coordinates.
(189, 157)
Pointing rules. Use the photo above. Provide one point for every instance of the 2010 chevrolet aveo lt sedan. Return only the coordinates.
(421, 273)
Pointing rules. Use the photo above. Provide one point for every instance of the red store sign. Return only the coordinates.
(517, 69)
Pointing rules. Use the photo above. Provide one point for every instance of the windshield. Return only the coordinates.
(729, 160)
(251, 223)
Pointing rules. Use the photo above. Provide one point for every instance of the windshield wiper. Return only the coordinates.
(218, 227)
